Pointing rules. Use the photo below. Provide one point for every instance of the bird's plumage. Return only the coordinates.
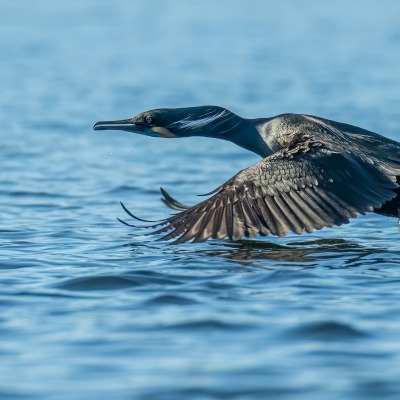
(319, 173)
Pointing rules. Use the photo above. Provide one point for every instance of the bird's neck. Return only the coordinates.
(247, 135)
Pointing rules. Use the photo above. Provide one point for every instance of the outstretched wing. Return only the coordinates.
(300, 189)
(172, 203)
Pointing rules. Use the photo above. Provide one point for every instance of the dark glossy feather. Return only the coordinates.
(170, 202)
(320, 181)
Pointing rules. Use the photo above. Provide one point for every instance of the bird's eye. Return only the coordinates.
(149, 119)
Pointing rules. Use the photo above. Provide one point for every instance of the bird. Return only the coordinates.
(313, 173)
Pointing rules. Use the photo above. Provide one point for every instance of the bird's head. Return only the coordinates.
(209, 121)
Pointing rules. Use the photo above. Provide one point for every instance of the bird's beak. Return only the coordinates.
(122, 124)
(125, 125)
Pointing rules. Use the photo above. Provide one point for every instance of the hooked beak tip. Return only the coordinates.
(102, 125)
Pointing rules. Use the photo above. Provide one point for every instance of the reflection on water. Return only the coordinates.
(309, 254)
(328, 253)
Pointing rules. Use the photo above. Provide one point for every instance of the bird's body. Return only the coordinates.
(314, 172)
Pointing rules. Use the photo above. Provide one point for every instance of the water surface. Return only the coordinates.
(90, 308)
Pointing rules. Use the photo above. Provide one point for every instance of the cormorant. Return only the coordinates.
(314, 173)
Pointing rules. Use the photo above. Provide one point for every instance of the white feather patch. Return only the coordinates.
(206, 119)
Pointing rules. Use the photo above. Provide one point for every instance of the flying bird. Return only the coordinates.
(314, 173)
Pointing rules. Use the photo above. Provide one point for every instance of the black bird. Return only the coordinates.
(314, 173)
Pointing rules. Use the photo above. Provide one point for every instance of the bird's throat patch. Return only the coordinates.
(164, 132)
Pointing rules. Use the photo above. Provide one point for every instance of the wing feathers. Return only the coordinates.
(264, 216)
(277, 216)
(298, 192)
(252, 223)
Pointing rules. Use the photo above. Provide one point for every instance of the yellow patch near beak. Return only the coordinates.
(164, 132)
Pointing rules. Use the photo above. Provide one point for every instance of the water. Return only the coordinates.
(91, 309)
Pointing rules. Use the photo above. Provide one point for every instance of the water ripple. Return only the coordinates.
(92, 309)
(327, 330)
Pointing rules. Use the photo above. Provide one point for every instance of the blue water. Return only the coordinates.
(90, 308)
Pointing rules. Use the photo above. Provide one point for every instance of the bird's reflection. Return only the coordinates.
(306, 253)
(331, 253)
